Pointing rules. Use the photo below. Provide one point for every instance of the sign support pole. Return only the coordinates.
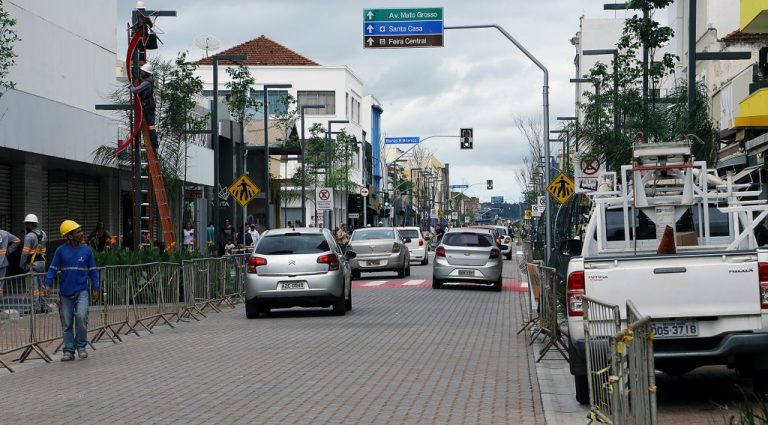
(365, 210)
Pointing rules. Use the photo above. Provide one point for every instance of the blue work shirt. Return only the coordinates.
(76, 264)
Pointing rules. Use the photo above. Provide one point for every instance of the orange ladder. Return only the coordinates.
(161, 198)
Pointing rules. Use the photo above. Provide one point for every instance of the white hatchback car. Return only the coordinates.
(418, 244)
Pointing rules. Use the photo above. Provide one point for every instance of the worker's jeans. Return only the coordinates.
(74, 313)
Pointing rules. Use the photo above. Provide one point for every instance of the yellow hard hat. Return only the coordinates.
(67, 226)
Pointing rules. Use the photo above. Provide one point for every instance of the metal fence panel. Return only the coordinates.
(640, 368)
(602, 322)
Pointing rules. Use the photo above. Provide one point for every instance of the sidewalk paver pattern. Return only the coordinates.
(410, 355)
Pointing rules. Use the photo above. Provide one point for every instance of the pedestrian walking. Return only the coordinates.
(189, 237)
(76, 264)
(99, 239)
(254, 234)
(211, 233)
(146, 91)
(33, 259)
(8, 244)
(342, 237)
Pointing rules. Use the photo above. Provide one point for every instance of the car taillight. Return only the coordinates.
(421, 242)
(762, 272)
(254, 262)
(440, 251)
(331, 259)
(495, 253)
(575, 292)
(395, 248)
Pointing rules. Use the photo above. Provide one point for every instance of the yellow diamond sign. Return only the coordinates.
(528, 214)
(243, 190)
(561, 188)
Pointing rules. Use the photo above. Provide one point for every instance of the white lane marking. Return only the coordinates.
(375, 283)
(523, 284)
(414, 282)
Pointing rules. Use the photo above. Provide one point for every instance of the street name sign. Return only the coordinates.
(243, 190)
(459, 186)
(561, 188)
(497, 199)
(401, 140)
(402, 28)
(324, 198)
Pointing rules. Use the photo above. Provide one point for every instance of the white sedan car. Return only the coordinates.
(418, 244)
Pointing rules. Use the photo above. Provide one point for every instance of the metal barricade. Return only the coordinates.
(149, 282)
(200, 292)
(18, 301)
(233, 284)
(115, 285)
(530, 310)
(638, 372)
(549, 317)
(602, 322)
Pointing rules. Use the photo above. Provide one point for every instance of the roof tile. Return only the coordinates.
(263, 51)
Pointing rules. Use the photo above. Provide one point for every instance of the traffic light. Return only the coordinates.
(386, 200)
(466, 138)
(489, 183)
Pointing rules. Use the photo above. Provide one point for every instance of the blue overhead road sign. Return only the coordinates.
(459, 186)
(403, 28)
(401, 140)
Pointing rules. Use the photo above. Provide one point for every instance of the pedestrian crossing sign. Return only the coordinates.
(561, 188)
(243, 190)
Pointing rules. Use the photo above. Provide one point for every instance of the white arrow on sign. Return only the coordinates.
(370, 15)
(370, 41)
(369, 28)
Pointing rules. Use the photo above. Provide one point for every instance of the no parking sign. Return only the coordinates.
(586, 172)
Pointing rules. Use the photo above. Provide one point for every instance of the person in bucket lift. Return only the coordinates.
(146, 92)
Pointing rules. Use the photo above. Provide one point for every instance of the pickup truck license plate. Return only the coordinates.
(466, 272)
(675, 328)
(293, 285)
(372, 262)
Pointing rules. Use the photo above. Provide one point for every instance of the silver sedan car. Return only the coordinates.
(467, 255)
(297, 267)
(379, 249)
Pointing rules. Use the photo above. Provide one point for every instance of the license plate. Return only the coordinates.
(292, 285)
(466, 272)
(675, 328)
(373, 262)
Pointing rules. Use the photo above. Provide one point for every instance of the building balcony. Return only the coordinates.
(754, 16)
(753, 110)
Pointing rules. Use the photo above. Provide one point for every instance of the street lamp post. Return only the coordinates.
(266, 145)
(615, 53)
(215, 135)
(303, 164)
(328, 164)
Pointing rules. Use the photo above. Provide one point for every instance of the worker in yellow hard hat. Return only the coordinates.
(76, 264)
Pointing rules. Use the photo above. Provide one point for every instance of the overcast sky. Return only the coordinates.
(479, 79)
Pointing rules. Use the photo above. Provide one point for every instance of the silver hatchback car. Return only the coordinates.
(379, 249)
(297, 267)
(467, 255)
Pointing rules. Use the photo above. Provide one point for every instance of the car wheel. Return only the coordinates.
(408, 270)
(348, 301)
(340, 306)
(252, 310)
(497, 285)
(401, 272)
(355, 274)
(582, 389)
(425, 261)
(436, 284)
(760, 382)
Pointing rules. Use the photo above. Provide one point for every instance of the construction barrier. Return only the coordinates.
(133, 298)
(620, 366)
(543, 310)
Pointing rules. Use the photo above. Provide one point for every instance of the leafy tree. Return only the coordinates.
(7, 56)
(619, 95)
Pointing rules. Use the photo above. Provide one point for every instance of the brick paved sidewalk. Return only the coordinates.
(402, 356)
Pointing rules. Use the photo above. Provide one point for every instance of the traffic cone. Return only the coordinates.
(667, 244)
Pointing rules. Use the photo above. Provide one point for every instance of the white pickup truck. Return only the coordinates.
(708, 295)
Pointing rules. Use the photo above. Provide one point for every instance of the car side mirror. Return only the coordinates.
(407, 240)
(351, 254)
(571, 247)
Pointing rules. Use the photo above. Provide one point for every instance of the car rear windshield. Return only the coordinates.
(371, 234)
(292, 243)
(409, 233)
(468, 239)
